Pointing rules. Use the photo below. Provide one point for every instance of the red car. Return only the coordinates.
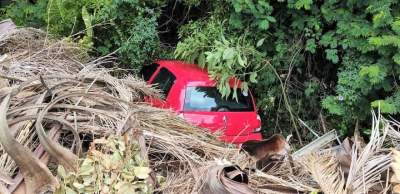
(189, 91)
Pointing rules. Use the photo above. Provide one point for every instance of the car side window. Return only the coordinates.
(164, 81)
(148, 70)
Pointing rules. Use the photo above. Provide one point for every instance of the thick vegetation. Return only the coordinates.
(327, 63)
(102, 26)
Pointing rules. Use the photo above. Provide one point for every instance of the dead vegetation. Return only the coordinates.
(67, 125)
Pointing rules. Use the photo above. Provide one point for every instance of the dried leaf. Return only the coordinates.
(126, 188)
(61, 171)
(141, 172)
(225, 179)
(396, 189)
(37, 176)
(69, 191)
(396, 164)
(326, 172)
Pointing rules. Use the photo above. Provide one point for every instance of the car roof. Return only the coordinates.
(186, 72)
(190, 74)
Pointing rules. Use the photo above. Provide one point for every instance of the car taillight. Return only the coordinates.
(256, 130)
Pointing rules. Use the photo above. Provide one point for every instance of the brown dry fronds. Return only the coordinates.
(368, 163)
(325, 170)
(38, 177)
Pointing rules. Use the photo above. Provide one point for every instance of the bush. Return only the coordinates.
(101, 26)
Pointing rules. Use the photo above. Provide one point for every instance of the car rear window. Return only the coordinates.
(147, 71)
(164, 81)
(199, 98)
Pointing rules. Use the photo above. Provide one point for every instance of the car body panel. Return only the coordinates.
(236, 127)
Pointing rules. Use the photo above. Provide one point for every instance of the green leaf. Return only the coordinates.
(240, 61)
(396, 58)
(373, 72)
(385, 107)
(260, 42)
(263, 24)
(306, 4)
(253, 77)
(237, 6)
(88, 22)
(331, 54)
(310, 45)
(229, 53)
(202, 60)
(382, 18)
(385, 40)
(333, 106)
(396, 25)
(271, 19)
(236, 21)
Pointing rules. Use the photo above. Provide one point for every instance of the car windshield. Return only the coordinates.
(199, 98)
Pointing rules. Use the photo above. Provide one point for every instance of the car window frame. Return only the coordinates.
(154, 77)
(251, 103)
(153, 74)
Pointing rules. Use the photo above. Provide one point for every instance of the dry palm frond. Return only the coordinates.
(38, 177)
(268, 183)
(316, 145)
(394, 134)
(223, 179)
(368, 164)
(325, 170)
(395, 179)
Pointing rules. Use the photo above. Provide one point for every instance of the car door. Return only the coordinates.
(164, 81)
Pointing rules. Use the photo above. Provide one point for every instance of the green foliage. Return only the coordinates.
(223, 57)
(306, 4)
(103, 26)
(259, 12)
(390, 105)
(24, 13)
(141, 45)
(332, 104)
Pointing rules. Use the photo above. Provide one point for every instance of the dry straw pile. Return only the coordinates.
(63, 117)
